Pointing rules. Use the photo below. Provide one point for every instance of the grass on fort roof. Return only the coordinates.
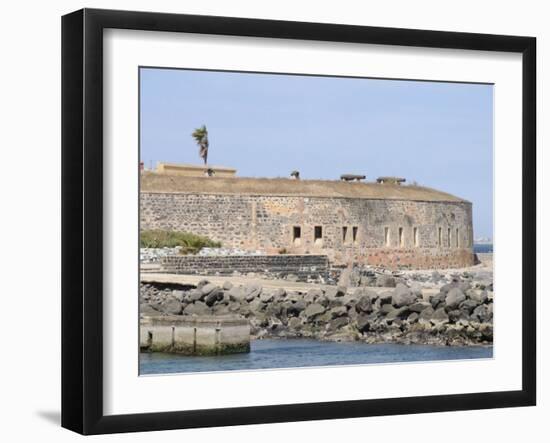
(189, 243)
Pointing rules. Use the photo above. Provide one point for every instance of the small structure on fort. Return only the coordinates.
(397, 227)
(390, 180)
(352, 177)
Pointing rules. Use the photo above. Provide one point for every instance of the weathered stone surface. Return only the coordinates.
(213, 296)
(197, 308)
(482, 313)
(439, 316)
(438, 299)
(251, 291)
(178, 294)
(454, 297)
(398, 312)
(294, 309)
(266, 297)
(279, 294)
(147, 309)
(237, 293)
(338, 311)
(171, 306)
(337, 323)
(479, 296)
(227, 285)
(208, 288)
(294, 323)
(402, 296)
(426, 314)
(364, 304)
(314, 310)
(419, 306)
(467, 306)
(313, 294)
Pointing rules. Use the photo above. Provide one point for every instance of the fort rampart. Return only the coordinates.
(387, 225)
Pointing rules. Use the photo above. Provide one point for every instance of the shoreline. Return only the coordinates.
(443, 308)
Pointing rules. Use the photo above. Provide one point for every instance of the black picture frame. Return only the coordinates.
(82, 218)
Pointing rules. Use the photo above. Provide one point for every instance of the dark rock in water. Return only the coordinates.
(171, 307)
(402, 296)
(385, 281)
(313, 310)
(364, 304)
(337, 323)
(197, 308)
(363, 322)
(294, 323)
(454, 297)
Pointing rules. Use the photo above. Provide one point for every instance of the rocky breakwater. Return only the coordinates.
(457, 313)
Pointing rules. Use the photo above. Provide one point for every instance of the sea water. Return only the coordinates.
(295, 353)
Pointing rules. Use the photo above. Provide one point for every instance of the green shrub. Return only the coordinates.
(190, 243)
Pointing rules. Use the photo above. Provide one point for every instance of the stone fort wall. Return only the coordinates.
(391, 233)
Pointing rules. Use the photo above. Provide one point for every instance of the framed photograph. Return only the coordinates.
(269, 221)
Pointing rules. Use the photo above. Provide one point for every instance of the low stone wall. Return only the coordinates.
(279, 265)
(423, 258)
(194, 335)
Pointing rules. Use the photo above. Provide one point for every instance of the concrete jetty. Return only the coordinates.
(195, 335)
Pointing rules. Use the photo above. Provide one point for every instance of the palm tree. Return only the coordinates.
(201, 137)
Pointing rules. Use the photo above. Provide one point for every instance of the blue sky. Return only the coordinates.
(437, 134)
